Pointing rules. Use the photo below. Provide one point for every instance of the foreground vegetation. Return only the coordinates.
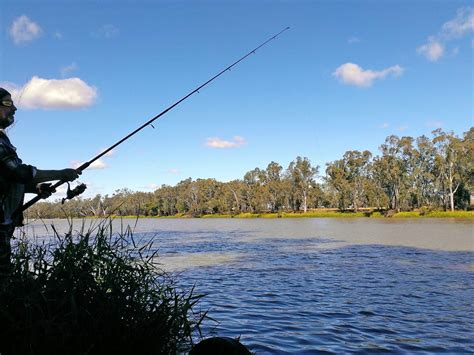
(409, 174)
(92, 293)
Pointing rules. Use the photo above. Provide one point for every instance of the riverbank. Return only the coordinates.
(330, 214)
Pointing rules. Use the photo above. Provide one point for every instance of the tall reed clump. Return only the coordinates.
(93, 292)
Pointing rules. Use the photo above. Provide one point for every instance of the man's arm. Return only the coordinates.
(51, 175)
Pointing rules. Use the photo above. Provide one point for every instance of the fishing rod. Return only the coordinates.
(80, 188)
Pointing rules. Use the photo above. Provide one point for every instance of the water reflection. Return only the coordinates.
(191, 260)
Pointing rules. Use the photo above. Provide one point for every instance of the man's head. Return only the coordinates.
(7, 109)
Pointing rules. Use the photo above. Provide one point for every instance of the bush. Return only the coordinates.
(92, 293)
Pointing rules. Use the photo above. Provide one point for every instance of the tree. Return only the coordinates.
(273, 183)
(452, 163)
(423, 172)
(348, 175)
(393, 169)
(336, 178)
(255, 191)
(302, 176)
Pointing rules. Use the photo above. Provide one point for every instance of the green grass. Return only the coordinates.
(435, 214)
(348, 214)
(90, 293)
(330, 213)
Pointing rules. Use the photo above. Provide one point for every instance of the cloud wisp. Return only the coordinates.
(462, 24)
(72, 93)
(218, 143)
(107, 31)
(24, 30)
(68, 69)
(353, 40)
(353, 74)
(434, 124)
(432, 50)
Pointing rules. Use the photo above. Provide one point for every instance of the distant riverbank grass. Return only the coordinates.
(341, 214)
(435, 214)
(90, 293)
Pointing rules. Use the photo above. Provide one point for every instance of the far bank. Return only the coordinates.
(327, 214)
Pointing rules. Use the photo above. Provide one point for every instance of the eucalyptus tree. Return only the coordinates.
(209, 195)
(254, 193)
(234, 192)
(274, 186)
(468, 145)
(185, 196)
(357, 164)
(393, 169)
(451, 162)
(165, 200)
(348, 176)
(423, 172)
(337, 181)
(302, 176)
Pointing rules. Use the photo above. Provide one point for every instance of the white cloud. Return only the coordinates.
(174, 171)
(462, 24)
(68, 69)
(72, 93)
(353, 74)
(151, 187)
(433, 50)
(384, 125)
(218, 143)
(108, 154)
(402, 128)
(24, 30)
(107, 31)
(97, 165)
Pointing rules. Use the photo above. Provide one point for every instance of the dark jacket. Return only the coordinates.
(15, 179)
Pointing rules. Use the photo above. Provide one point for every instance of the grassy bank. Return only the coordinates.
(348, 214)
(325, 213)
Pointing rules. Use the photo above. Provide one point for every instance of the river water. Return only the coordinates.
(305, 286)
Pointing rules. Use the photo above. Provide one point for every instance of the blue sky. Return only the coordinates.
(347, 75)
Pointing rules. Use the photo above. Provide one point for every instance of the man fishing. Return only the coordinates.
(16, 179)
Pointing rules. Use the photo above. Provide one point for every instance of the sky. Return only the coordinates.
(345, 76)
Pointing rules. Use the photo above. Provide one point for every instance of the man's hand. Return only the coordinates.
(70, 174)
(45, 190)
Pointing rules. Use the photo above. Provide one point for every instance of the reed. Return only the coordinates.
(93, 292)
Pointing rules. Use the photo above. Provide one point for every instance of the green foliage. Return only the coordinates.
(436, 173)
(94, 292)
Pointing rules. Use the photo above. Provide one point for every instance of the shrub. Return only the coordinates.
(95, 292)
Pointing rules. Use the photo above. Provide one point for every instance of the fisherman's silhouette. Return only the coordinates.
(16, 179)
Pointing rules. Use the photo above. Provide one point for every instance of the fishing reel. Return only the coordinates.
(71, 193)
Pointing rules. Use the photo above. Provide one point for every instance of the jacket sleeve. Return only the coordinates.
(13, 169)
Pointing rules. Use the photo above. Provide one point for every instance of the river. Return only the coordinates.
(303, 286)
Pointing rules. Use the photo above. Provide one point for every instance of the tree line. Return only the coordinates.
(408, 174)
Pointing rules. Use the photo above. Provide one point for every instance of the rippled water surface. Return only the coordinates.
(327, 285)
